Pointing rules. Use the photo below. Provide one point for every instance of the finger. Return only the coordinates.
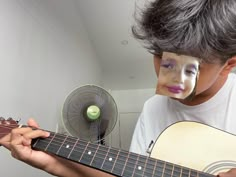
(31, 122)
(230, 173)
(17, 137)
(17, 141)
(36, 134)
(17, 132)
(28, 134)
(24, 136)
(5, 141)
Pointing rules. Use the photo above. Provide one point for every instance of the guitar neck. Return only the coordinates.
(111, 160)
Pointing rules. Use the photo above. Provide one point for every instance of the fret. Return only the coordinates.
(59, 137)
(43, 144)
(130, 164)
(136, 166)
(94, 149)
(168, 170)
(66, 147)
(202, 174)
(160, 166)
(119, 166)
(73, 148)
(54, 144)
(99, 156)
(141, 168)
(83, 152)
(76, 150)
(176, 171)
(110, 160)
(163, 170)
(88, 154)
(36, 145)
(193, 173)
(107, 150)
(46, 149)
(150, 167)
(181, 172)
(115, 161)
(185, 172)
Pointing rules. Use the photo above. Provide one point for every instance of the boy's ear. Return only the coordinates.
(156, 62)
(229, 65)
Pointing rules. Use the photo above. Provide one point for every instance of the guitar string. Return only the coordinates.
(172, 165)
(172, 171)
(147, 169)
(170, 168)
(86, 142)
(72, 143)
(102, 159)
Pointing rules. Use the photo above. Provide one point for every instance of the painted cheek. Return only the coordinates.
(189, 83)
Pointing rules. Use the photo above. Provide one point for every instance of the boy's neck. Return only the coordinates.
(207, 94)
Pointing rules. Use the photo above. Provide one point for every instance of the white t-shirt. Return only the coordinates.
(160, 111)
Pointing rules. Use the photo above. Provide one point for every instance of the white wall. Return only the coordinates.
(129, 104)
(41, 61)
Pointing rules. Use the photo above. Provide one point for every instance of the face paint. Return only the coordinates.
(177, 75)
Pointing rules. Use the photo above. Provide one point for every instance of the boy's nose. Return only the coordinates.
(179, 76)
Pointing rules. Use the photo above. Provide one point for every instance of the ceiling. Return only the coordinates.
(125, 63)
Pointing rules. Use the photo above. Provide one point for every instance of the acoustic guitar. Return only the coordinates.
(185, 149)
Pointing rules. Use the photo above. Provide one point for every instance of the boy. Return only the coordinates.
(202, 29)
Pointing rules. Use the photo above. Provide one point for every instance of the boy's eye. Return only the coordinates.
(191, 72)
(168, 65)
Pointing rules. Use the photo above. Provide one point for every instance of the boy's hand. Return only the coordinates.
(230, 173)
(19, 143)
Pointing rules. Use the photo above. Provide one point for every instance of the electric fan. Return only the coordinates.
(89, 113)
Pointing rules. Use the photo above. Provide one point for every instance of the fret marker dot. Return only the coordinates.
(67, 146)
(110, 159)
(139, 168)
(89, 152)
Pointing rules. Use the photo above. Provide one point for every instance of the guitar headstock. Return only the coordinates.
(6, 125)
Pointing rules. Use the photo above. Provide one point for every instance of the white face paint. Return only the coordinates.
(177, 75)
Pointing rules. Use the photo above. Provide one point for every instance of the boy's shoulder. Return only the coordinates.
(232, 75)
(231, 81)
(156, 100)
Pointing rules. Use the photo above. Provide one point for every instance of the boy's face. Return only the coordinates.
(177, 75)
(187, 73)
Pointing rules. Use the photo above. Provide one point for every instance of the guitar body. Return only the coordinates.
(196, 146)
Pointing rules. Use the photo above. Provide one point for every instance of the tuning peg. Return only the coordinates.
(18, 120)
(9, 119)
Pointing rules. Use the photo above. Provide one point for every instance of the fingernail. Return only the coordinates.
(47, 134)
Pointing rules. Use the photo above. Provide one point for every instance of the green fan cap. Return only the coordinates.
(93, 112)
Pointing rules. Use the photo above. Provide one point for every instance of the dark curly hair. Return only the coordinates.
(205, 29)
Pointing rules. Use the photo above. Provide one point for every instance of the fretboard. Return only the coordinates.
(111, 160)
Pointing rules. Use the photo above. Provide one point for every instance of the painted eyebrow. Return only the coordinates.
(170, 60)
(192, 66)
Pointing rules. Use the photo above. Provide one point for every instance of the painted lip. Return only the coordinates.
(175, 89)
